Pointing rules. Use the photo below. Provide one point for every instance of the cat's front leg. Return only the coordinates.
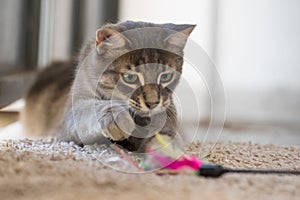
(88, 121)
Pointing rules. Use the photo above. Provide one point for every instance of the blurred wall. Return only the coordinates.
(10, 39)
(258, 48)
(67, 24)
(18, 35)
(259, 44)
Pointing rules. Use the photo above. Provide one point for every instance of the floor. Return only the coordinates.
(45, 169)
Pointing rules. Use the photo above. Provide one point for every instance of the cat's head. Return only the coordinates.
(147, 63)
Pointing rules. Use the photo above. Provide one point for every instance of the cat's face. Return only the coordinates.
(143, 78)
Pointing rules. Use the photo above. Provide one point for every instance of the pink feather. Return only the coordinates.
(170, 163)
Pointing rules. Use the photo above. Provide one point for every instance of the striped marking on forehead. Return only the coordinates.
(156, 56)
(140, 60)
(150, 68)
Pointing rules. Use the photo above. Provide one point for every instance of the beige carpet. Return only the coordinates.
(44, 169)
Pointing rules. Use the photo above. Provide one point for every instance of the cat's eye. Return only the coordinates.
(130, 78)
(164, 78)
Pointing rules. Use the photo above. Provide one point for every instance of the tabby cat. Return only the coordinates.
(119, 89)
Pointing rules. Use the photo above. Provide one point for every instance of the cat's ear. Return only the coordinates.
(179, 38)
(109, 38)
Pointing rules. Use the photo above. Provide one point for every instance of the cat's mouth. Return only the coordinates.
(142, 121)
(146, 119)
(140, 118)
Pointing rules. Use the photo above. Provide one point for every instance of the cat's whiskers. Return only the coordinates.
(136, 108)
(134, 104)
(167, 103)
(171, 114)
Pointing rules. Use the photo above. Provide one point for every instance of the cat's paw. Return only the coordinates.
(121, 128)
(125, 122)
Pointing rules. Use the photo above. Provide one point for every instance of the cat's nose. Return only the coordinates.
(152, 105)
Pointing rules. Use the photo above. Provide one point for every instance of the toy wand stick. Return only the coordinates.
(210, 170)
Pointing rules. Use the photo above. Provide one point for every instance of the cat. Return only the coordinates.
(118, 90)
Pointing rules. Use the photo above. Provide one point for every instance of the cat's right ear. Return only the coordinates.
(179, 38)
(107, 38)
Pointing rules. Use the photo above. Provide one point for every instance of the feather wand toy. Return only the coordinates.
(168, 161)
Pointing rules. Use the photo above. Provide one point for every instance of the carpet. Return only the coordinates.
(45, 169)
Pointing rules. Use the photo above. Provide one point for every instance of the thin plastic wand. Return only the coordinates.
(210, 170)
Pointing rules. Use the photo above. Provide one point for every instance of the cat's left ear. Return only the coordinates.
(179, 38)
(109, 38)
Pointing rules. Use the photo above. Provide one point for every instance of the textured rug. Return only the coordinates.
(45, 169)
